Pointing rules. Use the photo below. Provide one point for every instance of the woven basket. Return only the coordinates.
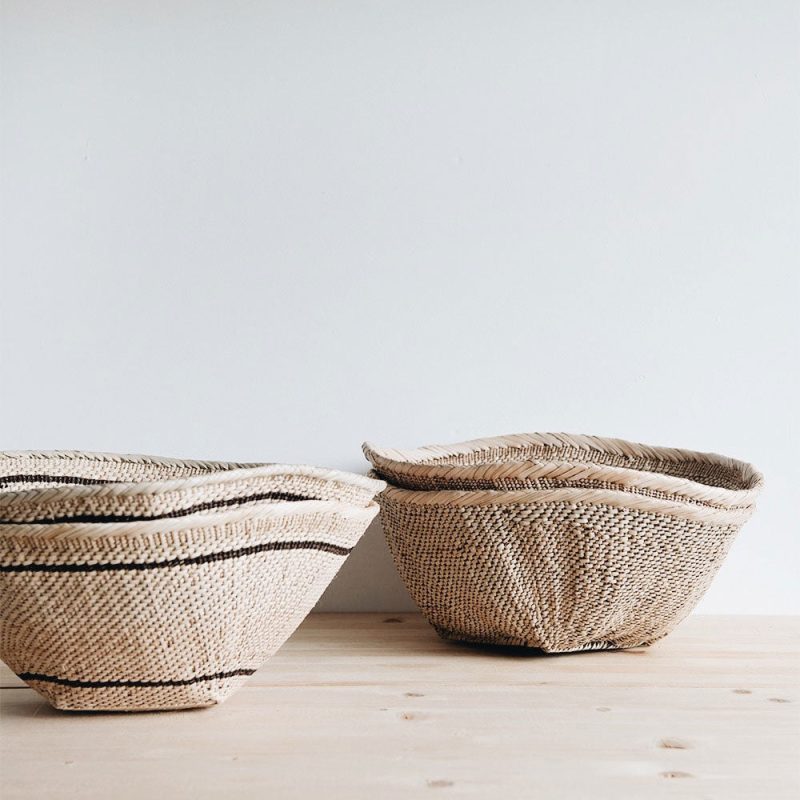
(134, 583)
(565, 567)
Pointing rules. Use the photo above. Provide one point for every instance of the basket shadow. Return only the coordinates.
(416, 638)
(519, 651)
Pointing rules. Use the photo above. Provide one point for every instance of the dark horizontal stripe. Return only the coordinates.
(5, 480)
(75, 684)
(180, 512)
(209, 558)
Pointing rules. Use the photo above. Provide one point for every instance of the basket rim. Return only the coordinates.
(416, 462)
(219, 473)
(632, 479)
(452, 498)
(203, 520)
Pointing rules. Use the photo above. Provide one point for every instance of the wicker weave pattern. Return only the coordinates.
(562, 556)
(174, 613)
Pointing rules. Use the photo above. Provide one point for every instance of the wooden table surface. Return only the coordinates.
(376, 706)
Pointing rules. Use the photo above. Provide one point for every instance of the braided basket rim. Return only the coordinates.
(419, 463)
(494, 498)
(217, 473)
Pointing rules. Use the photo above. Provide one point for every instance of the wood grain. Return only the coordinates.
(376, 706)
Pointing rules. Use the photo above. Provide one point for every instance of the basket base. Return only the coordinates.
(530, 645)
(127, 698)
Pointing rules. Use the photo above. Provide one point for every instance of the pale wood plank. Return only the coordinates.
(355, 707)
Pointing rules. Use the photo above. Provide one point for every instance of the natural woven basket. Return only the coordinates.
(135, 583)
(569, 567)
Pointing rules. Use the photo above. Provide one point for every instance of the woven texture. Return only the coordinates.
(176, 608)
(581, 557)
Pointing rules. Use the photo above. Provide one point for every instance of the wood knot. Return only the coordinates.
(674, 744)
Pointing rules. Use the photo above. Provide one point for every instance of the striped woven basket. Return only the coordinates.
(136, 583)
(593, 544)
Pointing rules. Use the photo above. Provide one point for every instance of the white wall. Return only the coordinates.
(268, 231)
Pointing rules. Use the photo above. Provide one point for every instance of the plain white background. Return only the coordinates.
(268, 231)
